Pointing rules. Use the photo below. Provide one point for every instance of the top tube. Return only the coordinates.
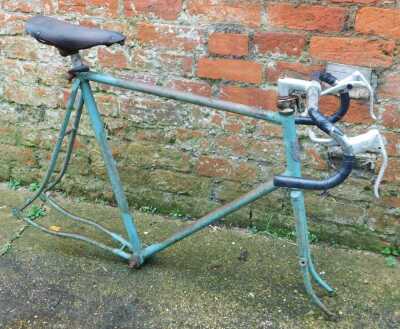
(182, 96)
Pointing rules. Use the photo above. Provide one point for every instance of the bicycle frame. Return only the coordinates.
(131, 248)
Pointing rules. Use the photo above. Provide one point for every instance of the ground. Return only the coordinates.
(218, 278)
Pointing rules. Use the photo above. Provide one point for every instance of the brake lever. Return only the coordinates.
(372, 141)
(356, 79)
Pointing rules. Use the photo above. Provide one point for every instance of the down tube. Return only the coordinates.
(212, 217)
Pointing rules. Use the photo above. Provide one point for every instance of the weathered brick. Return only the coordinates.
(392, 173)
(177, 63)
(366, 2)
(167, 36)
(184, 134)
(379, 21)
(179, 183)
(306, 17)
(116, 59)
(358, 112)
(103, 8)
(199, 88)
(393, 143)
(228, 11)
(223, 168)
(214, 167)
(290, 44)
(233, 143)
(35, 96)
(148, 60)
(391, 116)
(165, 9)
(390, 85)
(294, 70)
(355, 51)
(227, 69)
(11, 24)
(72, 6)
(261, 98)
(228, 44)
(16, 48)
(233, 125)
(22, 6)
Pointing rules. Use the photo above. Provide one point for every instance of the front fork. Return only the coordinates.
(293, 168)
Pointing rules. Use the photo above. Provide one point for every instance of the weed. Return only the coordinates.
(391, 261)
(391, 251)
(391, 254)
(177, 214)
(35, 212)
(33, 187)
(280, 232)
(14, 184)
(148, 209)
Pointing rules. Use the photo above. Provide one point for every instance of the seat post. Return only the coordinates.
(77, 65)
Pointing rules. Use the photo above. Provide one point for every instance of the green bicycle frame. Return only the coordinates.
(131, 247)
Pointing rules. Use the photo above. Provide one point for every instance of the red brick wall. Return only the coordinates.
(229, 49)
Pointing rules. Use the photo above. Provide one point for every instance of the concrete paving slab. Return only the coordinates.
(218, 278)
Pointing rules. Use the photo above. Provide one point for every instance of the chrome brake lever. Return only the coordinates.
(372, 141)
(356, 79)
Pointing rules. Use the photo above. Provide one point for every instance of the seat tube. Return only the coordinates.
(98, 128)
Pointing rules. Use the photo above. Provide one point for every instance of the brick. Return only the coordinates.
(165, 9)
(148, 60)
(227, 69)
(228, 44)
(199, 88)
(379, 21)
(305, 17)
(233, 125)
(391, 201)
(358, 112)
(393, 143)
(391, 116)
(12, 24)
(390, 85)
(289, 44)
(72, 6)
(223, 168)
(17, 48)
(179, 64)
(364, 2)
(392, 173)
(103, 8)
(226, 11)
(214, 167)
(261, 98)
(116, 59)
(354, 51)
(184, 134)
(293, 70)
(34, 96)
(233, 143)
(166, 36)
(314, 157)
(22, 6)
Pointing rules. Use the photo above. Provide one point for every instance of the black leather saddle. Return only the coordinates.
(70, 38)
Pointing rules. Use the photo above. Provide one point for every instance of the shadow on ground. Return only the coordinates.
(216, 279)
